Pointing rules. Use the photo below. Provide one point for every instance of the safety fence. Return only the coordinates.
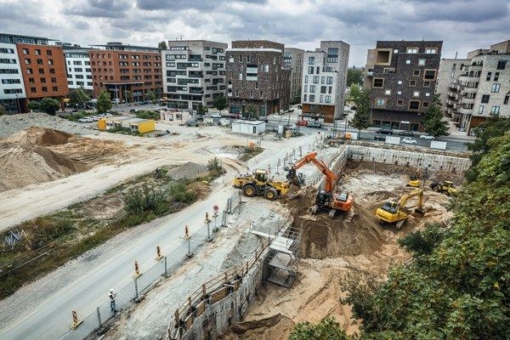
(221, 301)
(144, 280)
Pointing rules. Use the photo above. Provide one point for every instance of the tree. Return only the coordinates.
(328, 328)
(202, 110)
(128, 96)
(162, 45)
(354, 76)
(3, 111)
(34, 105)
(49, 106)
(220, 102)
(354, 92)
(78, 98)
(104, 102)
(433, 122)
(252, 111)
(361, 119)
(151, 96)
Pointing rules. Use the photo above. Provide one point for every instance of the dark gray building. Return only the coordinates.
(402, 76)
(293, 60)
(256, 76)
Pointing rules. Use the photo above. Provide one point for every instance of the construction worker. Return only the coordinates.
(112, 296)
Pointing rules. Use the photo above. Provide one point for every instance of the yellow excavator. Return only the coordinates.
(258, 184)
(396, 212)
(414, 181)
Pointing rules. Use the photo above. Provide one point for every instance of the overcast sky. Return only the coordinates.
(462, 25)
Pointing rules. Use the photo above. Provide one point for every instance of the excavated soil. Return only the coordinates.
(38, 155)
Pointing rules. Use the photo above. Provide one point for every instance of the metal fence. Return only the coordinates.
(80, 327)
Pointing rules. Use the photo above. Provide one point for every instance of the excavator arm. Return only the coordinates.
(312, 157)
(417, 192)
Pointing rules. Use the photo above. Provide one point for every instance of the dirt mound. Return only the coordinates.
(188, 170)
(201, 189)
(273, 327)
(39, 136)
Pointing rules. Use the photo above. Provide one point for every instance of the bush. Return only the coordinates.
(143, 199)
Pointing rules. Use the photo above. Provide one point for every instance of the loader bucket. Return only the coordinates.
(293, 190)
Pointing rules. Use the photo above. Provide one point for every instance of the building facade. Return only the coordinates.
(482, 88)
(256, 77)
(403, 82)
(324, 81)
(293, 60)
(447, 78)
(79, 72)
(12, 89)
(194, 73)
(126, 72)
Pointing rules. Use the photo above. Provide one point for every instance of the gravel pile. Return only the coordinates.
(15, 123)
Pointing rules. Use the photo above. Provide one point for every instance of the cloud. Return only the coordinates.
(98, 8)
(179, 5)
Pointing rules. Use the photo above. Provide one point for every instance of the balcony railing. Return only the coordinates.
(467, 101)
(465, 111)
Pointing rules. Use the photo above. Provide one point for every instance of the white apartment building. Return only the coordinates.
(293, 60)
(193, 73)
(79, 72)
(446, 86)
(324, 81)
(483, 88)
(12, 89)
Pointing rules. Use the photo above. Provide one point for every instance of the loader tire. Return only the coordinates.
(249, 190)
(271, 194)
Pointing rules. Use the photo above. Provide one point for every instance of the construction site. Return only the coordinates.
(281, 256)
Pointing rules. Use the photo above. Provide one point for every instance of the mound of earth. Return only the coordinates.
(273, 327)
(188, 170)
(37, 155)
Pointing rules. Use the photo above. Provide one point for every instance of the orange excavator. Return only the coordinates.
(326, 199)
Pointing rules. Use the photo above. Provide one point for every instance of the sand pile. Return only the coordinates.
(188, 170)
(37, 155)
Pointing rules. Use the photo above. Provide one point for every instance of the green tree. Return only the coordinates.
(3, 111)
(327, 329)
(151, 96)
(34, 105)
(162, 45)
(104, 102)
(202, 110)
(361, 119)
(220, 102)
(251, 110)
(49, 106)
(354, 92)
(354, 76)
(433, 122)
(78, 98)
(128, 96)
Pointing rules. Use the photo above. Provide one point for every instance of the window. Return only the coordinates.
(328, 99)
(399, 93)
(311, 60)
(380, 102)
(429, 75)
(416, 93)
(387, 92)
(496, 76)
(426, 84)
(48, 52)
(306, 88)
(310, 70)
(506, 100)
(304, 97)
(312, 98)
(495, 110)
(481, 108)
(315, 79)
(55, 88)
(421, 62)
(489, 75)
(332, 55)
(324, 89)
(427, 94)
(50, 62)
(412, 50)
(431, 50)
(501, 65)
(37, 52)
(412, 83)
(321, 98)
(495, 88)
(44, 89)
(322, 79)
(306, 79)
(30, 71)
(414, 105)
(400, 102)
(26, 51)
(399, 82)
(378, 82)
(416, 73)
(41, 71)
(408, 61)
(425, 104)
(312, 88)
(329, 80)
(28, 61)
(485, 98)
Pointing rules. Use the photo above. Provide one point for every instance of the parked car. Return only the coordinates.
(144, 102)
(302, 123)
(408, 140)
(426, 136)
(406, 133)
(384, 132)
(191, 122)
(315, 124)
(85, 120)
(215, 115)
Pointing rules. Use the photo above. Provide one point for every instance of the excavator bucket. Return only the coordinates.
(293, 190)
(419, 211)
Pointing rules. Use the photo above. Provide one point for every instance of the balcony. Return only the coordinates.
(468, 79)
(467, 101)
(465, 111)
(475, 68)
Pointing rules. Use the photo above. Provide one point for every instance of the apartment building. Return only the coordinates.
(127, 72)
(482, 88)
(256, 76)
(293, 60)
(12, 90)
(79, 72)
(324, 81)
(402, 78)
(194, 73)
(448, 74)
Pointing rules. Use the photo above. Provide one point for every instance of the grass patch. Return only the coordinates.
(248, 153)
